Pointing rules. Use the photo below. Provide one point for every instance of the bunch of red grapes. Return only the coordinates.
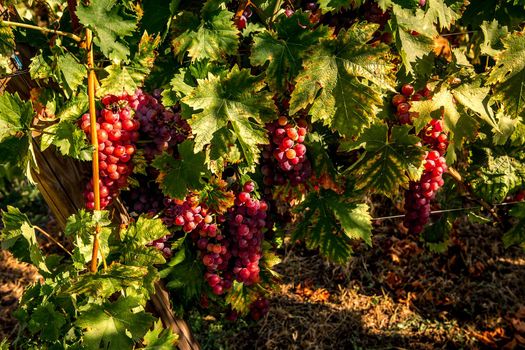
(117, 133)
(259, 308)
(421, 193)
(161, 126)
(161, 245)
(287, 149)
(243, 19)
(246, 221)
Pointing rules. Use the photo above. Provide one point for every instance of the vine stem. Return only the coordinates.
(42, 29)
(52, 239)
(94, 143)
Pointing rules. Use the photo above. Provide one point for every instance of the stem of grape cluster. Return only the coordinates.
(94, 143)
(42, 29)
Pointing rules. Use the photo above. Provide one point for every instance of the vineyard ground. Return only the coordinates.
(398, 295)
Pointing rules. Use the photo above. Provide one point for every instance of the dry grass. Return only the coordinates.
(397, 295)
(14, 277)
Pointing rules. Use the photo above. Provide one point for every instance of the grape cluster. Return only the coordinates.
(161, 126)
(247, 220)
(144, 199)
(420, 193)
(259, 308)
(243, 19)
(194, 218)
(287, 149)
(161, 245)
(117, 133)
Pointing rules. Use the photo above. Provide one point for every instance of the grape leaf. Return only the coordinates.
(338, 5)
(240, 297)
(476, 98)
(114, 326)
(492, 35)
(40, 67)
(411, 46)
(439, 12)
(73, 108)
(105, 283)
(389, 161)
(7, 40)
(285, 48)
(144, 59)
(499, 177)
(337, 80)
(214, 36)
(47, 321)
(68, 138)
(508, 75)
(109, 25)
(232, 101)
(18, 236)
(157, 15)
(81, 227)
(71, 73)
(329, 222)
(441, 105)
(15, 116)
(178, 176)
(516, 235)
(119, 80)
(144, 230)
(159, 338)
(217, 197)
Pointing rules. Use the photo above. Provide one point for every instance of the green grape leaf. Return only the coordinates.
(389, 161)
(441, 105)
(499, 177)
(144, 59)
(330, 223)
(516, 235)
(338, 5)
(178, 176)
(232, 101)
(104, 283)
(144, 230)
(7, 40)
(159, 338)
(411, 46)
(69, 140)
(71, 73)
(18, 236)
(47, 322)
(184, 276)
(492, 36)
(439, 12)
(81, 227)
(110, 25)
(476, 98)
(436, 236)
(114, 326)
(119, 80)
(337, 81)
(285, 48)
(73, 108)
(15, 116)
(240, 297)
(214, 36)
(508, 75)
(40, 67)
(157, 15)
